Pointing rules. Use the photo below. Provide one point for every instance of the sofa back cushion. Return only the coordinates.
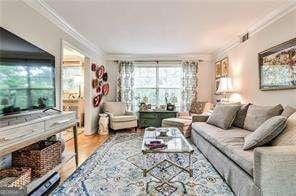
(223, 115)
(115, 108)
(241, 116)
(257, 115)
(265, 133)
(288, 136)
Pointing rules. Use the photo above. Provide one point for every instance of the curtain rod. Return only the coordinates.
(158, 61)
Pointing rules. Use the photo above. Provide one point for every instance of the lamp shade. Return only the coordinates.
(225, 85)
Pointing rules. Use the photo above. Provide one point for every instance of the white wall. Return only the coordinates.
(25, 22)
(112, 70)
(244, 63)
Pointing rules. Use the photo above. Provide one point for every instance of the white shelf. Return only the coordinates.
(66, 157)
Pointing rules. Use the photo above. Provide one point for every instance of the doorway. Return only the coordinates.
(72, 86)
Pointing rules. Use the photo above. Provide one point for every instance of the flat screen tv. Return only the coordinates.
(26, 75)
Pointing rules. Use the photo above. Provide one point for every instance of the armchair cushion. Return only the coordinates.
(123, 118)
(115, 108)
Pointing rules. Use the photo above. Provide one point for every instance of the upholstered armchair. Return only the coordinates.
(184, 119)
(118, 116)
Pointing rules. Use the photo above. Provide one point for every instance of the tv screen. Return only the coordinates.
(26, 75)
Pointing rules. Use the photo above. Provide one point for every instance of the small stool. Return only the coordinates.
(183, 124)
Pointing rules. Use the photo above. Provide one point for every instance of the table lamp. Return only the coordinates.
(225, 87)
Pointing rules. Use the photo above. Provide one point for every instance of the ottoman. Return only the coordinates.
(183, 124)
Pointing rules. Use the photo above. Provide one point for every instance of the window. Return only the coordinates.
(22, 84)
(73, 79)
(156, 82)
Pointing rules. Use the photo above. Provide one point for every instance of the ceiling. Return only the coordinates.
(162, 27)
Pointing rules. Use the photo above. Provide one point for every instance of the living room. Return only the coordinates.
(149, 97)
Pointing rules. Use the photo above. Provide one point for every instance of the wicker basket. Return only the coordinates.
(15, 177)
(41, 157)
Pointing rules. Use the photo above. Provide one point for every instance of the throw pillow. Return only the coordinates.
(288, 136)
(265, 132)
(223, 116)
(288, 111)
(241, 116)
(257, 115)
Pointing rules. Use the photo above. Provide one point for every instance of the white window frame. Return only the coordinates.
(157, 66)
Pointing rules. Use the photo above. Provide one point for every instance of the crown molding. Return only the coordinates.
(206, 57)
(48, 12)
(258, 26)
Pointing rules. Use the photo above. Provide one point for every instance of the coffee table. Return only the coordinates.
(176, 144)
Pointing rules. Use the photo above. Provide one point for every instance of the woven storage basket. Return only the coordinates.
(41, 157)
(19, 177)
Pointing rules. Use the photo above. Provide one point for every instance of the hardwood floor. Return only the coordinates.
(86, 146)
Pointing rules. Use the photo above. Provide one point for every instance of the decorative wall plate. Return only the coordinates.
(93, 67)
(99, 90)
(100, 71)
(105, 89)
(105, 77)
(95, 83)
(97, 100)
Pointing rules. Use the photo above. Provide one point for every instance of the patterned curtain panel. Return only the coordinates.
(125, 84)
(189, 84)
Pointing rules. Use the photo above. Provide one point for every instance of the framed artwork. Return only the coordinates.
(277, 67)
(224, 67)
(218, 69)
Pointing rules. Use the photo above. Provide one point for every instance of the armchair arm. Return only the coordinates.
(275, 170)
(199, 118)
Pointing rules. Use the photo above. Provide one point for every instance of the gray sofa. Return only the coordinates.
(269, 170)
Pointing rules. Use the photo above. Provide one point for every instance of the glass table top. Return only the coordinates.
(175, 141)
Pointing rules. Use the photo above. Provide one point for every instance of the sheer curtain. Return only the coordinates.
(189, 84)
(125, 84)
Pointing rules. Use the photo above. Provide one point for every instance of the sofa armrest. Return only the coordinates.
(199, 118)
(275, 170)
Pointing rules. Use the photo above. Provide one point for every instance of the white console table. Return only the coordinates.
(21, 130)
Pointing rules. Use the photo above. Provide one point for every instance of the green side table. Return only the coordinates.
(154, 118)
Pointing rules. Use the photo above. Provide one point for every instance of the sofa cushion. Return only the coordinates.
(265, 132)
(115, 108)
(241, 116)
(223, 115)
(288, 136)
(124, 118)
(230, 142)
(288, 111)
(257, 115)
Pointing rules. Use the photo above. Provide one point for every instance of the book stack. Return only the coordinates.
(156, 144)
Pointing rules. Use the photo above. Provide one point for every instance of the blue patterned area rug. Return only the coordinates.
(116, 169)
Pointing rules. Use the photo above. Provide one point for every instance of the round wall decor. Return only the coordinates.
(97, 99)
(105, 89)
(99, 90)
(100, 72)
(93, 67)
(105, 77)
(95, 83)
(99, 83)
